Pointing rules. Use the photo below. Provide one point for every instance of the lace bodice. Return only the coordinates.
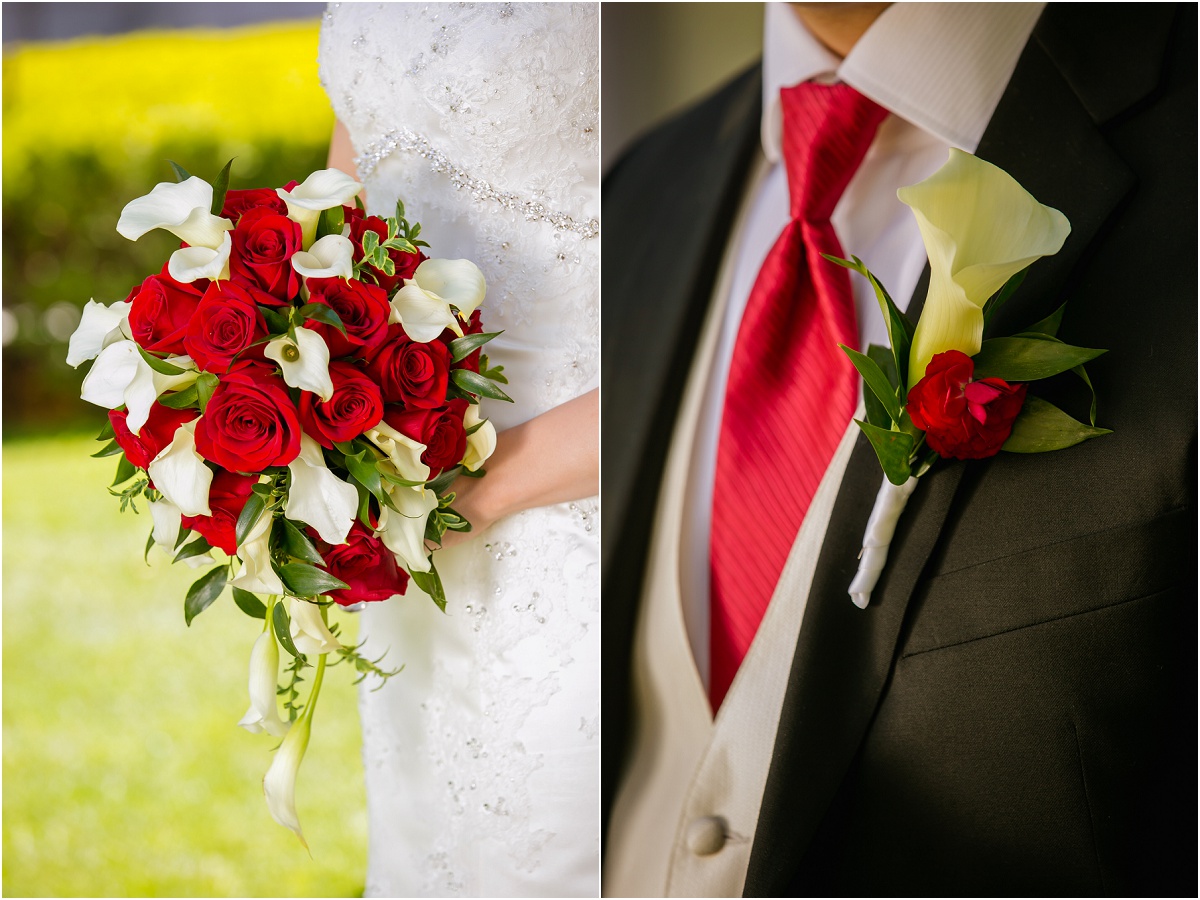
(500, 101)
(481, 757)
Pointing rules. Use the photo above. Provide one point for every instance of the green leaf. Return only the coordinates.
(249, 604)
(1028, 359)
(125, 471)
(894, 449)
(198, 547)
(1050, 324)
(366, 472)
(461, 348)
(160, 365)
(297, 543)
(900, 329)
(476, 384)
(1042, 426)
(445, 479)
(255, 504)
(181, 399)
(370, 240)
(304, 580)
(112, 448)
(331, 221)
(106, 433)
(203, 592)
(206, 386)
(431, 583)
(877, 414)
(277, 322)
(1078, 370)
(321, 313)
(283, 629)
(220, 189)
(181, 174)
(1001, 296)
(396, 479)
(875, 379)
(149, 547)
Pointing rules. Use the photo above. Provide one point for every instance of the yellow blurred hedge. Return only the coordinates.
(120, 98)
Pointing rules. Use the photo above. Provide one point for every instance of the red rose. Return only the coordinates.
(409, 372)
(162, 308)
(364, 563)
(250, 422)
(354, 407)
(440, 430)
(263, 244)
(226, 323)
(238, 203)
(226, 497)
(962, 418)
(405, 263)
(157, 433)
(363, 309)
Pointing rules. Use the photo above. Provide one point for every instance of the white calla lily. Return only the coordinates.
(403, 532)
(167, 522)
(256, 574)
(189, 264)
(182, 209)
(279, 784)
(304, 361)
(309, 632)
(481, 444)
(422, 306)
(263, 714)
(120, 376)
(99, 326)
(980, 227)
(330, 257)
(180, 475)
(402, 452)
(323, 189)
(318, 497)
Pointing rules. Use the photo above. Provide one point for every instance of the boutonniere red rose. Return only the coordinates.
(943, 390)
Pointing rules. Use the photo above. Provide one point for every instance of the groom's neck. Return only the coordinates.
(838, 25)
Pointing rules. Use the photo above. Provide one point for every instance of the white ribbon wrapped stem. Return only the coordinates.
(889, 504)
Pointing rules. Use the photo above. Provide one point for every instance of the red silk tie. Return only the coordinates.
(791, 391)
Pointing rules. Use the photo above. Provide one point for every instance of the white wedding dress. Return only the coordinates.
(482, 756)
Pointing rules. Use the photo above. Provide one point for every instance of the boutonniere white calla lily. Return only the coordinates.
(945, 389)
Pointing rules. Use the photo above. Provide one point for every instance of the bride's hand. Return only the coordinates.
(552, 458)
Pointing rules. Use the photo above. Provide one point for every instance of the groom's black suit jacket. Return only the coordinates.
(1015, 713)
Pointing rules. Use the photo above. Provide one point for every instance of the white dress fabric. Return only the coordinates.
(482, 756)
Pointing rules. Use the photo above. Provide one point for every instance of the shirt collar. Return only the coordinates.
(941, 66)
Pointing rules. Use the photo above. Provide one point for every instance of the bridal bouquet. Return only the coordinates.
(943, 390)
(292, 395)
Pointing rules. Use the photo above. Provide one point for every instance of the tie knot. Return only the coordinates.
(827, 129)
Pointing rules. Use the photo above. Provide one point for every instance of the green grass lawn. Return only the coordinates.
(125, 773)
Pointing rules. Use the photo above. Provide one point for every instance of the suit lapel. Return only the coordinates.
(844, 655)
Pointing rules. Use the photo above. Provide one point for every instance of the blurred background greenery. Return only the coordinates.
(124, 771)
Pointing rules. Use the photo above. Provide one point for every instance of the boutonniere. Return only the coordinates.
(943, 389)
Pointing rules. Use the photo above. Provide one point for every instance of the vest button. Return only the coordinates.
(706, 835)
